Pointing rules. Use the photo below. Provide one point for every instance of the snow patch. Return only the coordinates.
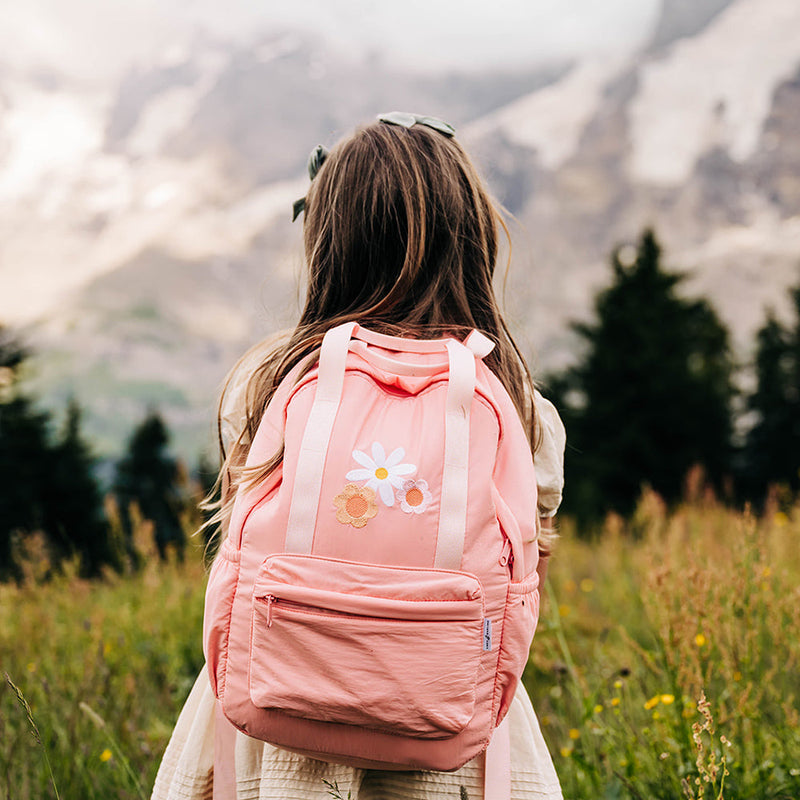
(94, 228)
(551, 120)
(745, 270)
(219, 229)
(172, 110)
(45, 133)
(182, 207)
(714, 89)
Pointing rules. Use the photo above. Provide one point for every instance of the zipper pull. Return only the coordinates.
(270, 601)
(505, 553)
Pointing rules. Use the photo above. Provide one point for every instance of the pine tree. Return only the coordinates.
(45, 487)
(23, 455)
(148, 476)
(74, 517)
(772, 449)
(651, 396)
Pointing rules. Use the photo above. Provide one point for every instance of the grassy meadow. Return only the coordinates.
(666, 664)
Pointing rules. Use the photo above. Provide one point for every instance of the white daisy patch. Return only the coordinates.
(382, 473)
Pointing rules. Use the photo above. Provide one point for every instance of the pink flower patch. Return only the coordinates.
(414, 496)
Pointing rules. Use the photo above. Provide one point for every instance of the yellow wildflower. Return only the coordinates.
(574, 733)
(651, 703)
(667, 699)
(617, 684)
(737, 676)
(598, 708)
(615, 701)
(106, 755)
(587, 585)
(564, 610)
(700, 640)
(566, 752)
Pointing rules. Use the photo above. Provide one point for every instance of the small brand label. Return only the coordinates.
(487, 634)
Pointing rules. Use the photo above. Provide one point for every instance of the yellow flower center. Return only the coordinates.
(381, 473)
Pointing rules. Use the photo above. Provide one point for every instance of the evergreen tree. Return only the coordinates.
(23, 455)
(148, 476)
(45, 487)
(652, 394)
(74, 517)
(772, 449)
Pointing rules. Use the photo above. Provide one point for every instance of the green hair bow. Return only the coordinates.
(406, 120)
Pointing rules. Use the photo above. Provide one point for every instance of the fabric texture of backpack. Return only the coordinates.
(375, 598)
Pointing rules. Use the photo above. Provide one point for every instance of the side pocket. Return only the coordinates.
(522, 614)
(217, 615)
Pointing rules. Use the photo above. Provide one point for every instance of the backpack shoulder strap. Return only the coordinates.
(497, 764)
(455, 476)
(480, 344)
(316, 437)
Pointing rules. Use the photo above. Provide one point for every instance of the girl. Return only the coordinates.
(400, 235)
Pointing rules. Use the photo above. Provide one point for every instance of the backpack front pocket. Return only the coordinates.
(388, 648)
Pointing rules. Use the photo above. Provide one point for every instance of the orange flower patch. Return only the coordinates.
(355, 505)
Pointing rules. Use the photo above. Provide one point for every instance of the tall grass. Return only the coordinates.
(104, 667)
(665, 664)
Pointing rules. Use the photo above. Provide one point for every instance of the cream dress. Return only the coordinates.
(264, 772)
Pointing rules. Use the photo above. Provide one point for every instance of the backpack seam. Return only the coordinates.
(496, 690)
(222, 682)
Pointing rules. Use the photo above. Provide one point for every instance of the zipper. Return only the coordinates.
(270, 600)
(505, 553)
(402, 611)
(291, 605)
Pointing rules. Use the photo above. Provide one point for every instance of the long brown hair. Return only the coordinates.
(401, 236)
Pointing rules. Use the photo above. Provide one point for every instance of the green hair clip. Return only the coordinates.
(315, 161)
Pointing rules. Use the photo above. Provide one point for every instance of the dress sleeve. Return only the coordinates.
(548, 459)
(233, 405)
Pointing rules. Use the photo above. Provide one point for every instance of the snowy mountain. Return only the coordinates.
(145, 238)
(698, 136)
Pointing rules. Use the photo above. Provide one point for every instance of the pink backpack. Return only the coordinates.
(375, 599)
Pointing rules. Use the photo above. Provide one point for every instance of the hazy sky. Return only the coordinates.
(98, 39)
